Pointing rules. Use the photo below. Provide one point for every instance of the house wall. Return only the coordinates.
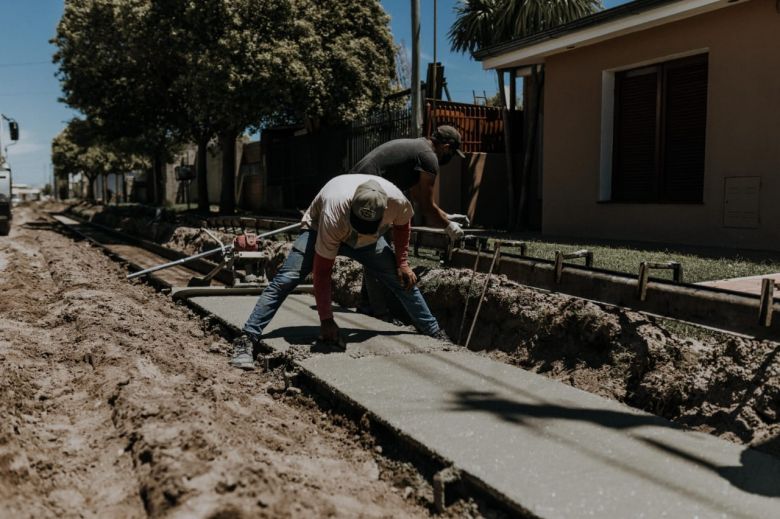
(743, 131)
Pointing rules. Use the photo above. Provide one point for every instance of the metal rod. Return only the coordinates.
(484, 291)
(223, 249)
(468, 292)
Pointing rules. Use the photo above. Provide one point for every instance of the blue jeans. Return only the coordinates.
(378, 258)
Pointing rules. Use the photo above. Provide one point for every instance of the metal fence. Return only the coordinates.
(300, 162)
(375, 129)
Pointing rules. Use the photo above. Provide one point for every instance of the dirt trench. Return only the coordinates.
(118, 403)
(715, 383)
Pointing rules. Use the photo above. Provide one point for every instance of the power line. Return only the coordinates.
(25, 64)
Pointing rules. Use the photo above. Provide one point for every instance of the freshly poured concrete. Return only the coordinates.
(297, 323)
(537, 444)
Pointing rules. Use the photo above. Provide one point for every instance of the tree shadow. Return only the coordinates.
(758, 474)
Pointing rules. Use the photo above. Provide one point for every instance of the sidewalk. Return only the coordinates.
(538, 445)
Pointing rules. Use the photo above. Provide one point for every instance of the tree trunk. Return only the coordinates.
(227, 199)
(201, 170)
(91, 188)
(104, 187)
(158, 181)
(62, 187)
(510, 166)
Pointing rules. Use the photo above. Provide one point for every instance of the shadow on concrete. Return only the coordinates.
(758, 474)
(307, 335)
(516, 412)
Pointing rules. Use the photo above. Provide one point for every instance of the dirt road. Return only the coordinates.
(118, 403)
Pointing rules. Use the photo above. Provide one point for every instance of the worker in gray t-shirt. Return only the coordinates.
(412, 165)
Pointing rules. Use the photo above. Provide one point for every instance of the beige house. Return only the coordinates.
(660, 122)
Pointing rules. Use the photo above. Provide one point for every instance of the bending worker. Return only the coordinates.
(412, 165)
(347, 217)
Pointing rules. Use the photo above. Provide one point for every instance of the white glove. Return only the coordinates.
(462, 219)
(454, 231)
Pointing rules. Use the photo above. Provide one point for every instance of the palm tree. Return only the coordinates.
(482, 23)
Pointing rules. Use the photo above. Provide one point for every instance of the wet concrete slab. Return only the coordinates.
(538, 445)
(297, 323)
(552, 449)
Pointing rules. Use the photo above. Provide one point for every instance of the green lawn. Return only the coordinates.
(626, 259)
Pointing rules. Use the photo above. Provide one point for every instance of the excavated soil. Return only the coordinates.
(118, 403)
(717, 383)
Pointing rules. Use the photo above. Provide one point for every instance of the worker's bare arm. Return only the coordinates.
(422, 193)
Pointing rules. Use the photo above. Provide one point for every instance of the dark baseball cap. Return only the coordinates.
(368, 207)
(447, 134)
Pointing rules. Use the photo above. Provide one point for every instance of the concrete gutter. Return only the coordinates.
(712, 307)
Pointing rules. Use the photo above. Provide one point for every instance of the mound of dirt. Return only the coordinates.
(118, 403)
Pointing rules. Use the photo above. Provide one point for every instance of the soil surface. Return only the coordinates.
(711, 382)
(118, 403)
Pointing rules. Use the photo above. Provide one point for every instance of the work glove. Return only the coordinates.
(407, 277)
(454, 231)
(329, 331)
(461, 219)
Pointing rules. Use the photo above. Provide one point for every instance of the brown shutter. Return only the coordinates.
(634, 176)
(685, 121)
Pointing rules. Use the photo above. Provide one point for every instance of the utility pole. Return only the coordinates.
(416, 101)
(433, 88)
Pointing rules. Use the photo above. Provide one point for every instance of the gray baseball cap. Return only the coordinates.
(447, 134)
(367, 208)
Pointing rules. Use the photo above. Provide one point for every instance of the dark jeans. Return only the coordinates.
(378, 258)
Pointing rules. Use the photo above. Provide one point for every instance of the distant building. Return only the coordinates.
(24, 193)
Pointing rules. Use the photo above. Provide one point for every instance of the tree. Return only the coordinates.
(482, 23)
(114, 69)
(159, 71)
(78, 148)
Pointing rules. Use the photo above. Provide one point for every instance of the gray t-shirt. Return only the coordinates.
(400, 161)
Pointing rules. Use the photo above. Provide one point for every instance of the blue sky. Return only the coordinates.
(29, 88)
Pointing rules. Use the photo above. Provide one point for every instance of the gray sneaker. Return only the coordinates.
(243, 353)
(442, 336)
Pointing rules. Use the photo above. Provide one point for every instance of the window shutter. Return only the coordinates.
(685, 122)
(634, 175)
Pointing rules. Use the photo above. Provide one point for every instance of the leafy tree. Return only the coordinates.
(160, 71)
(114, 69)
(78, 148)
(482, 23)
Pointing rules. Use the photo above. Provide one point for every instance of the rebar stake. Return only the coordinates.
(484, 291)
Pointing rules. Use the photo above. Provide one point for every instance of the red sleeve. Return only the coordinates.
(401, 234)
(322, 270)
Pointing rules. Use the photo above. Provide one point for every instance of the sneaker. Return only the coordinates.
(243, 353)
(442, 336)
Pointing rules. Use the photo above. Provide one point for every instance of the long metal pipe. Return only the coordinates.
(225, 249)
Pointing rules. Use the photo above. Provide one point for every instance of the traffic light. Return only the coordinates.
(13, 126)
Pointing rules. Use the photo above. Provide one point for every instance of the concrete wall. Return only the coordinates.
(743, 131)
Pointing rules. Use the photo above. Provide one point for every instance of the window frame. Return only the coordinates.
(610, 126)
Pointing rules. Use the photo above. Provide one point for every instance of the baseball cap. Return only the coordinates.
(367, 208)
(447, 134)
